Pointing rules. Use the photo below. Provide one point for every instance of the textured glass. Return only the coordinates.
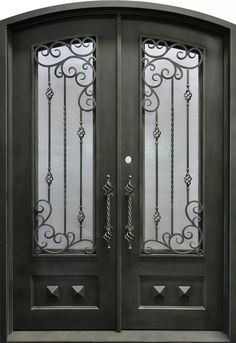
(64, 220)
(172, 182)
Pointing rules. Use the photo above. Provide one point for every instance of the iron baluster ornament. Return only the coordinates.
(160, 67)
(108, 193)
(78, 63)
(129, 193)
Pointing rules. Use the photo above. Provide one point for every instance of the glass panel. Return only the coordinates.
(172, 147)
(64, 209)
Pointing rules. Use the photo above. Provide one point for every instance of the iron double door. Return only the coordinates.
(103, 136)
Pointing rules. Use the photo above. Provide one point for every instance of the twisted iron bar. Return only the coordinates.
(81, 134)
(187, 97)
(129, 193)
(156, 135)
(172, 160)
(65, 155)
(49, 94)
(108, 193)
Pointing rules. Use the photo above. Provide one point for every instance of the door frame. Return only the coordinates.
(228, 32)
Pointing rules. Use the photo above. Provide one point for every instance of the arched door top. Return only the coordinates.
(118, 6)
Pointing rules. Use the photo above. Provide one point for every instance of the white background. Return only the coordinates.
(224, 9)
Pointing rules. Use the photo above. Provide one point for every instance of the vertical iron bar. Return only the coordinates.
(49, 94)
(187, 98)
(81, 216)
(187, 119)
(156, 223)
(81, 177)
(172, 156)
(65, 155)
(156, 134)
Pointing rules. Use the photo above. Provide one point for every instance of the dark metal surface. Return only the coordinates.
(64, 269)
(61, 12)
(157, 267)
(147, 7)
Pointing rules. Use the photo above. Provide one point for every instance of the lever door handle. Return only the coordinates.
(129, 229)
(108, 194)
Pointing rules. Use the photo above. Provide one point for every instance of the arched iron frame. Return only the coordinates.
(228, 31)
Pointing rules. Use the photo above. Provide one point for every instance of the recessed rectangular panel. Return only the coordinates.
(172, 292)
(65, 291)
(171, 102)
(65, 84)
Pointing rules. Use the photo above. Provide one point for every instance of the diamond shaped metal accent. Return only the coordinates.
(49, 93)
(54, 291)
(81, 132)
(157, 216)
(184, 291)
(81, 216)
(188, 179)
(159, 291)
(49, 178)
(78, 290)
(188, 95)
(156, 132)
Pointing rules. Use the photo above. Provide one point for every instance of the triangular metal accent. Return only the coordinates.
(159, 291)
(184, 291)
(78, 290)
(54, 291)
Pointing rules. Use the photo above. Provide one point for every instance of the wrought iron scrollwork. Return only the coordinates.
(64, 66)
(108, 193)
(74, 59)
(163, 67)
(129, 193)
(159, 66)
(46, 235)
(173, 241)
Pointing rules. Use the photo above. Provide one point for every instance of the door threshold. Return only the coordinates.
(123, 336)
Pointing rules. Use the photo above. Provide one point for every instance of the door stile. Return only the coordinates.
(119, 171)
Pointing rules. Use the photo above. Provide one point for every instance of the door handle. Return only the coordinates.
(129, 229)
(108, 194)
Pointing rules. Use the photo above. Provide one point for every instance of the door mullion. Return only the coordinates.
(119, 178)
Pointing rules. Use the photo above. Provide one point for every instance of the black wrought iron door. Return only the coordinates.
(64, 106)
(172, 122)
(117, 127)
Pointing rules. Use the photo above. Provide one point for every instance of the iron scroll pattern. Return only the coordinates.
(77, 63)
(43, 211)
(156, 61)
